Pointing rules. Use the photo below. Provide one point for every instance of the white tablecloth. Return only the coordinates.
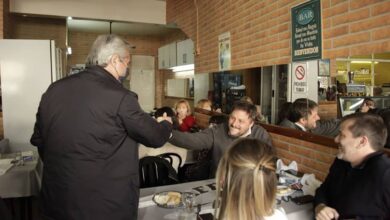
(206, 190)
(22, 181)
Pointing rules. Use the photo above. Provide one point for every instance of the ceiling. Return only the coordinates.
(136, 29)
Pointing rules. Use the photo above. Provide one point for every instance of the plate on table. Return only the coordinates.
(284, 191)
(168, 199)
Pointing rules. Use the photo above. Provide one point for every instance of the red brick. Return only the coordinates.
(335, 2)
(383, 7)
(291, 140)
(335, 32)
(325, 158)
(361, 3)
(381, 33)
(302, 151)
(327, 44)
(351, 17)
(326, 23)
(319, 166)
(370, 48)
(351, 39)
(288, 155)
(339, 9)
(371, 23)
(325, 4)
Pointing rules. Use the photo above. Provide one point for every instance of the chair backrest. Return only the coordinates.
(170, 157)
(156, 171)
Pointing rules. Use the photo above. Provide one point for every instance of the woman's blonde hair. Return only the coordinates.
(201, 103)
(246, 181)
(189, 112)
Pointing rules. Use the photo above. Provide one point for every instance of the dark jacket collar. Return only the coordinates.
(99, 70)
(369, 158)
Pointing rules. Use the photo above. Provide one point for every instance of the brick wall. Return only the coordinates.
(38, 28)
(327, 110)
(261, 30)
(311, 158)
(1, 20)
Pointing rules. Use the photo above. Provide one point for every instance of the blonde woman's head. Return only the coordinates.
(204, 104)
(246, 181)
(183, 108)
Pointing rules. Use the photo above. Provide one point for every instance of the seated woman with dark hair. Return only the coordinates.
(246, 182)
(165, 109)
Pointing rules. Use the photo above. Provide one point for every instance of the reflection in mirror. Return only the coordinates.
(369, 75)
(183, 88)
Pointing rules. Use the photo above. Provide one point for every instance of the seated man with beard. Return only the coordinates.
(219, 138)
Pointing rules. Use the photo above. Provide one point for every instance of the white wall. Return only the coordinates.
(312, 79)
(144, 11)
(142, 80)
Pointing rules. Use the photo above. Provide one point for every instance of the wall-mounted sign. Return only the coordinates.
(323, 67)
(299, 77)
(224, 51)
(306, 31)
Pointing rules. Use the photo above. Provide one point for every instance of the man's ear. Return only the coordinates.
(114, 59)
(302, 121)
(364, 141)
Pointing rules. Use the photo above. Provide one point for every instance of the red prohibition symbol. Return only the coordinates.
(300, 72)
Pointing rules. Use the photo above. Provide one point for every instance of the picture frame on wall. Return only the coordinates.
(324, 67)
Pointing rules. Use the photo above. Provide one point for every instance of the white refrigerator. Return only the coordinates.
(27, 68)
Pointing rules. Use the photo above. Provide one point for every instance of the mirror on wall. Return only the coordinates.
(364, 75)
(182, 88)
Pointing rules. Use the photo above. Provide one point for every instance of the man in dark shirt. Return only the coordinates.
(358, 183)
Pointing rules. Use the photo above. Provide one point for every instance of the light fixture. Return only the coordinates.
(363, 62)
(183, 68)
(68, 50)
(69, 18)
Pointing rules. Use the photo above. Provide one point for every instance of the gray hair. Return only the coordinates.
(104, 47)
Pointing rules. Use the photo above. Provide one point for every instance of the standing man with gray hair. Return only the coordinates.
(87, 132)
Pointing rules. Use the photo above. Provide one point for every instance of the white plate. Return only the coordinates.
(164, 200)
(287, 193)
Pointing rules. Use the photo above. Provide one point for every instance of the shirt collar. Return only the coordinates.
(300, 126)
(247, 133)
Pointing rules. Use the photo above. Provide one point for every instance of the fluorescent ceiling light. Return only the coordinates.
(183, 68)
(69, 50)
(363, 62)
(69, 18)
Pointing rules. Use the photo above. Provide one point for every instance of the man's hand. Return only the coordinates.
(164, 117)
(324, 212)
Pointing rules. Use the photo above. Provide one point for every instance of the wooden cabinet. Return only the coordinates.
(167, 56)
(185, 52)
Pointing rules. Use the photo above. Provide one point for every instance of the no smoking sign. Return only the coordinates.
(300, 72)
(300, 80)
